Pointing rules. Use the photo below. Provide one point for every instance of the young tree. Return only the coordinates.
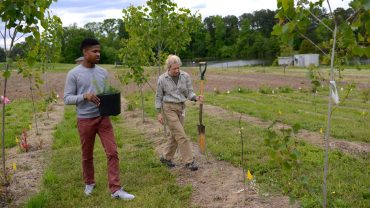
(154, 30)
(162, 25)
(23, 19)
(351, 35)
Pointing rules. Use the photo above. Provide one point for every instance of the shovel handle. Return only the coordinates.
(202, 69)
(201, 114)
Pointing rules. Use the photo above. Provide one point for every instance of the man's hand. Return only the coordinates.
(92, 98)
(200, 99)
(160, 118)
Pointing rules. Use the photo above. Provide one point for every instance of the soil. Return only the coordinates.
(25, 181)
(215, 184)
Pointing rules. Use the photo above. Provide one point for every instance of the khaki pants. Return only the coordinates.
(175, 120)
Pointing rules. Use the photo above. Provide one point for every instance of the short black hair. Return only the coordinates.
(87, 42)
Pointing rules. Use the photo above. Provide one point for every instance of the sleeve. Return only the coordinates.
(159, 95)
(70, 91)
(191, 95)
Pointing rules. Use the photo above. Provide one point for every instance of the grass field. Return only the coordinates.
(141, 172)
(348, 174)
(143, 175)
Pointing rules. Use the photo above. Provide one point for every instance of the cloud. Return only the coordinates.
(82, 11)
(200, 6)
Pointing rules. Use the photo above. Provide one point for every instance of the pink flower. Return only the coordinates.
(5, 100)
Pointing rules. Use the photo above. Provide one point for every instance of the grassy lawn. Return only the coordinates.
(350, 120)
(19, 116)
(141, 172)
(348, 175)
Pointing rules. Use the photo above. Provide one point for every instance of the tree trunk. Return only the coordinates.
(3, 128)
(327, 133)
(33, 105)
(142, 101)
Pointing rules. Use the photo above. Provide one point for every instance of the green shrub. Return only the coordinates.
(285, 89)
(265, 90)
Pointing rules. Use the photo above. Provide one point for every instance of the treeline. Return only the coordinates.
(248, 36)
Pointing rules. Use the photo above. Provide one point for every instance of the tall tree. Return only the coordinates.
(72, 37)
(263, 21)
(93, 27)
(232, 30)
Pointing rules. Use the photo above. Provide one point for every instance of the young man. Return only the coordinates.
(80, 90)
(173, 89)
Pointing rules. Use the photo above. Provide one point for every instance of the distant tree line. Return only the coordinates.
(230, 37)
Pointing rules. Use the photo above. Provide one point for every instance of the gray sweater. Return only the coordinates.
(82, 80)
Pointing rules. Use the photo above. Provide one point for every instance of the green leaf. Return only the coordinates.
(277, 30)
(6, 74)
(285, 5)
(358, 51)
(360, 37)
(367, 6)
(367, 51)
(296, 127)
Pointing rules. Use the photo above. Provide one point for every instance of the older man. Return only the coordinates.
(173, 89)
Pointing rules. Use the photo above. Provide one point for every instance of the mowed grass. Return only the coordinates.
(19, 117)
(350, 120)
(348, 184)
(141, 172)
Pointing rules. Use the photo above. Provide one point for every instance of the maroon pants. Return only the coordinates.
(88, 128)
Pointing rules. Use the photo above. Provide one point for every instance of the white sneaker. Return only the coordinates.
(89, 188)
(121, 194)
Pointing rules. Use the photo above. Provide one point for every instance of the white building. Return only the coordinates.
(286, 61)
(305, 60)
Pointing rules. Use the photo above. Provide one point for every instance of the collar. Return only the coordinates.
(168, 76)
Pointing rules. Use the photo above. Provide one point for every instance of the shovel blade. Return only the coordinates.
(202, 138)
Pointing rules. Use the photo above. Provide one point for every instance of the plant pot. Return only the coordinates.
(110, 104)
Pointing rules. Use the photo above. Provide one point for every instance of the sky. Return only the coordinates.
(84, 11)
(81, 12)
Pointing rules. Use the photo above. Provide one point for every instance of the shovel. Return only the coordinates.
(201, 127)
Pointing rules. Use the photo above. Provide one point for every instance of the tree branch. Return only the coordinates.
(307, 38)
(352, 15)
(318, 19)
(12, 38)
(331, 12)
(318, 47)
(2, 35)
(20, 37)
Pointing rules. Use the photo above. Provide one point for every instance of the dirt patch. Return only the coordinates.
(358, 148)
(18, 87)
(216, 183)
(25, 181)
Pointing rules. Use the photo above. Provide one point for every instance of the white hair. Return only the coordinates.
(171, 60)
